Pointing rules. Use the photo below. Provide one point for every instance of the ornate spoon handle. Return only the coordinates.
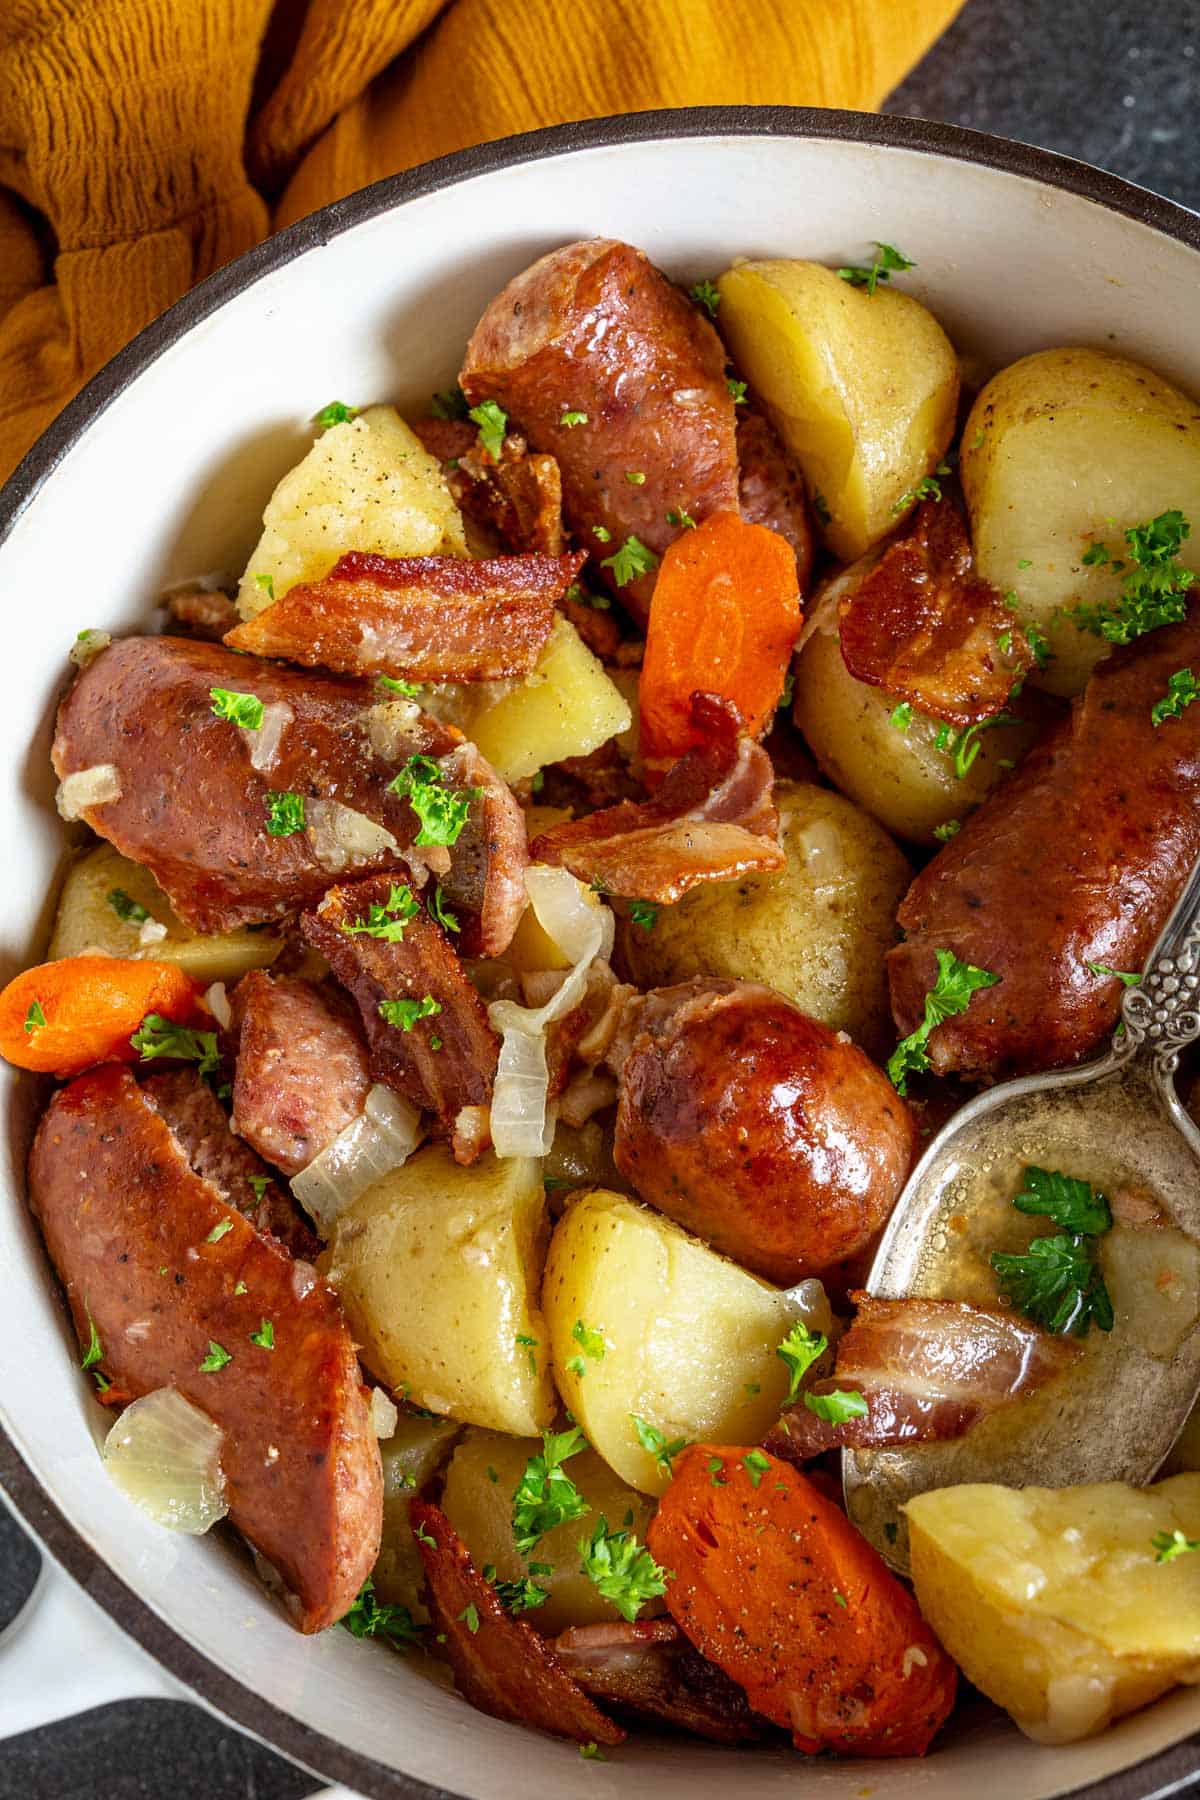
(1162, 1013)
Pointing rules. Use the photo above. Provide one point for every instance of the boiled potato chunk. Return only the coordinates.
(900, 777)
(817, 931)
(565, 706)
(689, 1339)
(862, 388)
(438, 1269)
(1052, 1600)
(480, 1482)
(88, 920)
(367, 484)
(411, 1457)
(1063, 449)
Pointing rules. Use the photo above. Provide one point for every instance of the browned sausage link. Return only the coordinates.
(1077, 858)
(595, 328)
(302, 1071)
(129, 1226)
(757, 1128)
(770, 490)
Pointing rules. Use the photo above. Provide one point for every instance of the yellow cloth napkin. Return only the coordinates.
(145, 142)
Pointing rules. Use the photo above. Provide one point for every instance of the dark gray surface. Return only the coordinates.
(1114, 84)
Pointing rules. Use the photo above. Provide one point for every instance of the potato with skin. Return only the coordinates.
(89, 920)
(1053, 1601)
(438, 1268)
(688, 1339)
(478, 1498)
(1063, 449)
(411, 1457)
(817, 931)
(862, 388)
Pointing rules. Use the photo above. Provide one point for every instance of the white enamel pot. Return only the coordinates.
(159, 471)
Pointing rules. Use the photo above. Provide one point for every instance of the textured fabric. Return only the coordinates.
(145, 142)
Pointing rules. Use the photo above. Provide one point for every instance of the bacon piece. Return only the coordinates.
(924, 626)
(500, 1664)
(712, 819)
(927, 1369)
(770, 492)
(302, 1069)
(515, 499)
(447, 1059)
(649, 1667)
(490, 858)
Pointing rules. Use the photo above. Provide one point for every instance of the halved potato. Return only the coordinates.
(480, 1482)
(689, 1339)
(367, 484)
(438, 1269)
(862, 388)
(1064, 449)
(88, 919)
(1052, 1600)
(411, 1457)
(817, 931)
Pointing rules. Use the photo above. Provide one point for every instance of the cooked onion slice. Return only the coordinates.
(165, 1455)
(385, 1415)
(263, 743)
(582, 929)
(383, 1136)
(340, 836)
(87, 787)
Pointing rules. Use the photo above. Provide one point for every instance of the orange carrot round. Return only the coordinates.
(774, 1584)
(63, 1017)
(724, 620)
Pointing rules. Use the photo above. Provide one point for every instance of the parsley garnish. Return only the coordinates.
(570, 419)
(1127, 977)
(545, 1495)
(1152, 593)
(1167, 1545)
(215, 1359)
(156, 1036)
(630, 561)
(529, 1345)
(387, 921)
(800, 1350)
(602, 533)
(492, 421)
(1057, 1284)
(840, 1599)
(591, 1342)
(715, 1467)
(437, 908)
(218, 1231)
(889, 259)
(35, 1017)
(451, 403)
(951, 828)
(964, 746)
(928, 488)
(94, 1353)
(644, 913)
(678, 515)
(241, 1287)
(442, 811)
(1070, 1203)
(285, 813)
(901, 716)
(393, 684)
(756, 1466)
(592, 1753)
(950, 994)
(245, 710)
(836, 1408)
(369, 1618)
(706, 294)
(821, 507)
(336, 413)
(130, 910)
(635, 477)
(405, 1013)
(419, 1532)
(470, 1617)
(260, 1184)
(264, 1337)
(620, 1569)
(1039, 644)
(267, 584)
(737, 389)
(655, 1442)
(518, 1596)
(1182, 689)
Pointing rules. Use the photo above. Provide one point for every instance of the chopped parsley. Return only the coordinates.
(644, 913)
(1127, 977)
(35, 1017)
(1152, 591)
(1182, 689)
(928, 488)
(241, 1287)
(836, 1408)
(602, 534)
(470, 1617)
(369, 1617)
(570, 419)
(392, 684)
(386, 921)
(94, 1351)
(800, 1350)
(529, 1345)
(964, 745)
(635, 477)
(592, 1753)
(1039, 644)
(706, 294)
(437, 908)
(545, 1495)
(285, 813)
(264, 1337)
(716, 1471)
(620, 1569)
(451, 403)
(821, 507)
(216, 1358)
(901, 716)
(591, 1342)
(336, 413)
(1069, 1203)
(977, 440)
(218, 1231)
(419, 1532)
(1167, 1545)
(131, 911)
(260, 1184)
(950, 994)
(632, 560)
(756, 1466)
(267, 584)
(655, 1442)
(951, 828)
(598, 602)
(678, 515)
(492, 421)
(405, 1013)
(1057, 1282)
(156, 1036)
(881, 269)
(737, 390)
(245, 710)
(442, 811)
(518, 1596)
(840, 1599)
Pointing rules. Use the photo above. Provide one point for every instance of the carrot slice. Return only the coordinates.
(774, 1584)
(63, 1017)
(724, 620)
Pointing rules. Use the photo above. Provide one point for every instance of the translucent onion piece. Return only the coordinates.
(583, 930)
(812, 1305)
(263, 744)
(87, 647)
(384, 1415)
(389, 728)
(217, 1002)
(165, 1455)
(339, 835)
(87, 787)
(383, 1136)
(152, 932)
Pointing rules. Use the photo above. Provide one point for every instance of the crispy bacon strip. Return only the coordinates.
(649, 1667)
(514, 500)
(446, 1059)
(924, 626)
(712, 819)
(430, 618)
(500, 1664)
(927, 1369)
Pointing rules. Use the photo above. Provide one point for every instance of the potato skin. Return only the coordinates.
(817, 931)
(759, 1129)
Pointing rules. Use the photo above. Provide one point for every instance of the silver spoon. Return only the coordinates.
(1117, 1123)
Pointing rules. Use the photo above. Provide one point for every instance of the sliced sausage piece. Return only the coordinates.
(130, 1226)
(595, 328)
(1077, 858)
(770, 490)
(757, 1128)
(302, 1073)
(441, 1055)
(651, 1669)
